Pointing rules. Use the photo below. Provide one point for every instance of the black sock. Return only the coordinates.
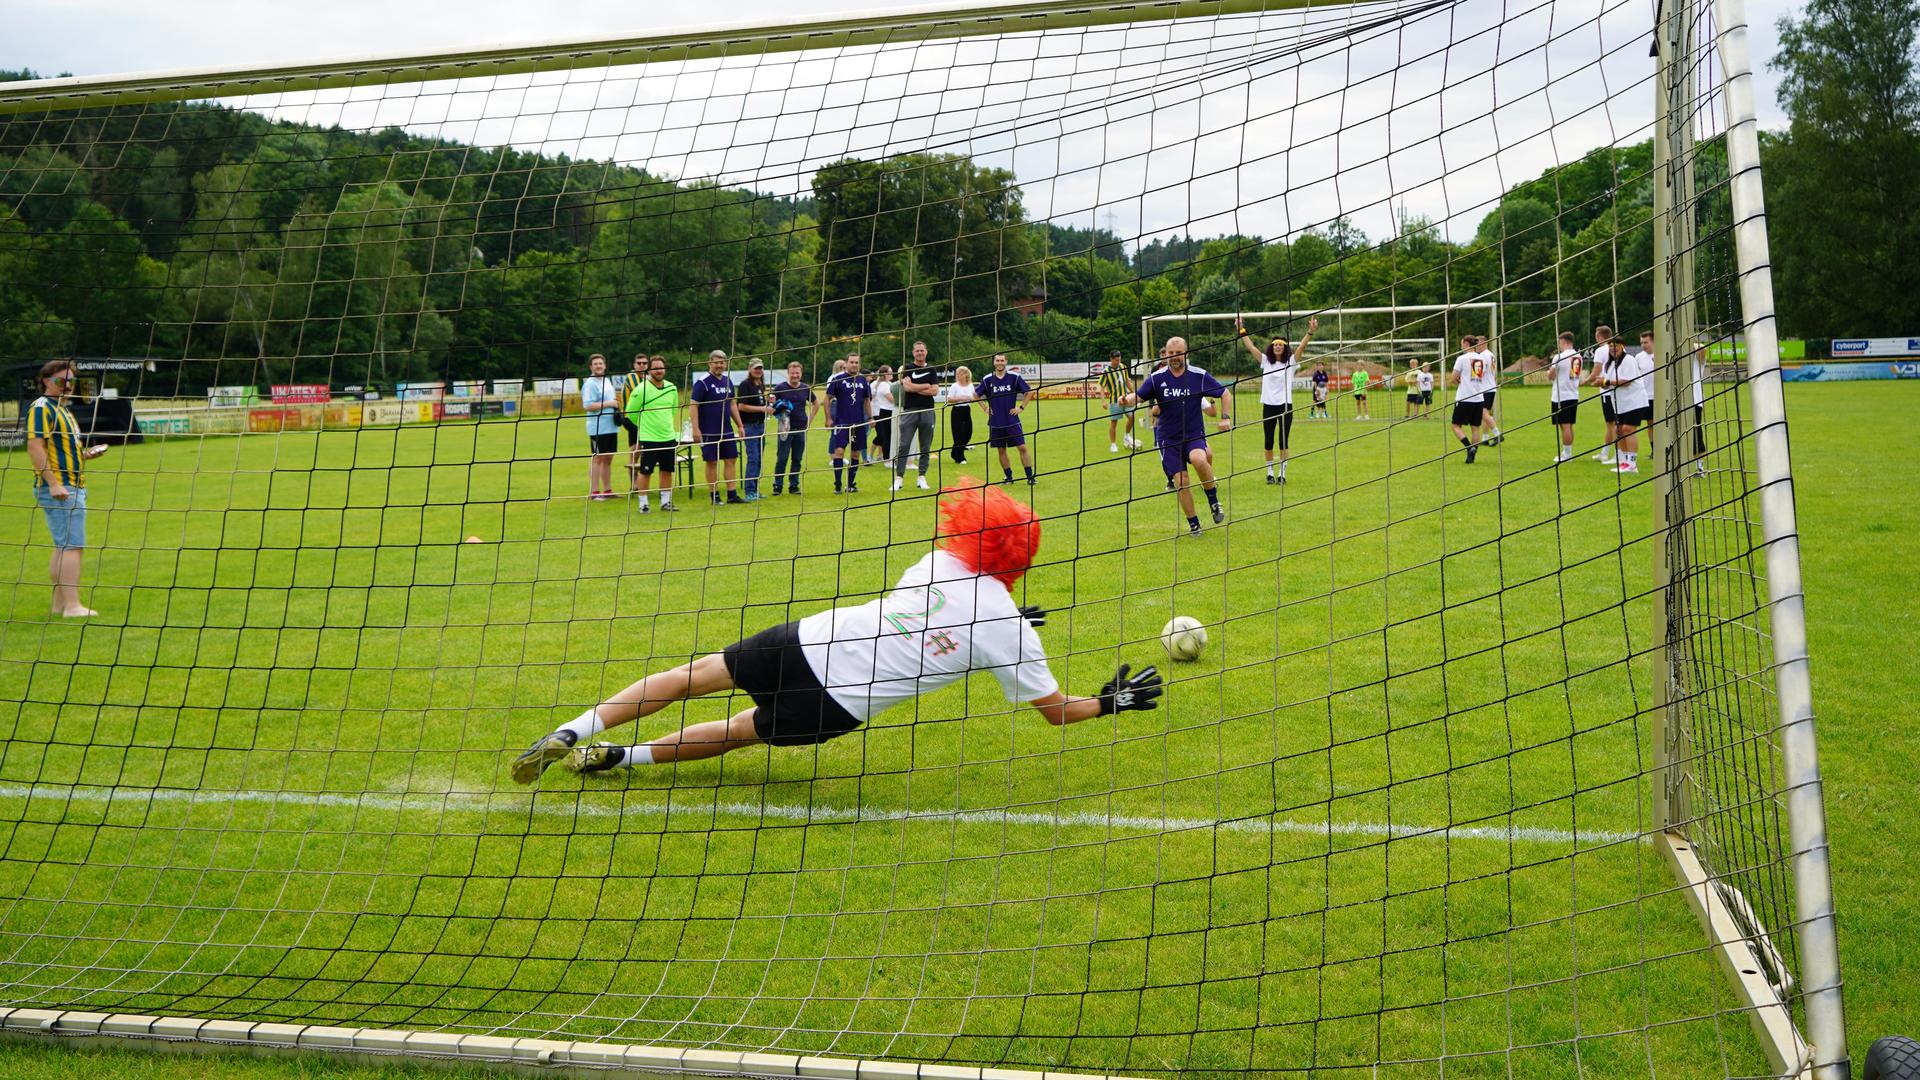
(1213, 496)
(853, 469)
(1193, 522)
(1464, 442)
(838, 467)
(1029, 472)
(1009, 473)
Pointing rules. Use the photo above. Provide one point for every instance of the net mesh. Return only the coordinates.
(1394, 819)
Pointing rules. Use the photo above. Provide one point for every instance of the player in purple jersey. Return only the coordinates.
(716, 426)
(849, 408)
(1180, 392)
(1006, 395)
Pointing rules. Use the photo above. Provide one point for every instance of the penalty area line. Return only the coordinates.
(547, 804)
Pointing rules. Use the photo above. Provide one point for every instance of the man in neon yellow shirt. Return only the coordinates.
(1361, 377)
(654, 408)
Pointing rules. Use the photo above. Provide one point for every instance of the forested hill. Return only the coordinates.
(198, 231)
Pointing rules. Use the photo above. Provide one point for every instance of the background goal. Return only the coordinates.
(1502, 768)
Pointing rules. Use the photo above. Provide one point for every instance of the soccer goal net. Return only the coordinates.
(437, 399)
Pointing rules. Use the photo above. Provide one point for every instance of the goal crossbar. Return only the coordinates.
(1491, 308)
(887, 26)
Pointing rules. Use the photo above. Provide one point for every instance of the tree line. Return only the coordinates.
(264, 251)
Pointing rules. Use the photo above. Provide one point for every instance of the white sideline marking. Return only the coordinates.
(817, 815)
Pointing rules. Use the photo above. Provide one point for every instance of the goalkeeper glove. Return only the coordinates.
(1034, 614)
(1123, 693)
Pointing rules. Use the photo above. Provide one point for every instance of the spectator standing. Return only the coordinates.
(960, 398)
(601, 398)
(654, 408)
(60, 483)
(716, 426)
(754, 400)
(796, 407)
(918, 386)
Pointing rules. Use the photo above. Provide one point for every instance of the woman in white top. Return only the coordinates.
(950, 615)
(961, 396)
(883, 407)
(1278, 362)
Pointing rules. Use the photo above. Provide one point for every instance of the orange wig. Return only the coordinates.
(989, 530)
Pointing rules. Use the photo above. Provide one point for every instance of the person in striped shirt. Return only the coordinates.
(1115, 384)
(60, 483)
(628, 384)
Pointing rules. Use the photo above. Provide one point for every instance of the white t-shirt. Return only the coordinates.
(1566, 375)
(883, 396)
(1699, 383)
(941, 622)
(1276, 380)
(959, 393)
(1475, 376)
(1598, 359)
(1423, 381)
(1492, 369)
(1637, 394)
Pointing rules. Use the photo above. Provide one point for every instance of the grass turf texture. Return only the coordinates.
(271, 775)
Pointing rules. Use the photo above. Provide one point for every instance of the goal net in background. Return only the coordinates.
(1501, 768)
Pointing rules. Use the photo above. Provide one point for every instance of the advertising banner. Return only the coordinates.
(232, 397)
(375, 413)
(301, 394)
(1876, 346)
(1904, 369)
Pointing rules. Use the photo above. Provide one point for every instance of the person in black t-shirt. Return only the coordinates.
(914, 392)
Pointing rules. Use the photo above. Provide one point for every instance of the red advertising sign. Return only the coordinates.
(301, 394)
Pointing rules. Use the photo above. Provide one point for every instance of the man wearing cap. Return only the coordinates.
(754, 401)
(716, 423)
(1116, 383)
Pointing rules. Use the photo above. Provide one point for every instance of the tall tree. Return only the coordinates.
(1846, 190)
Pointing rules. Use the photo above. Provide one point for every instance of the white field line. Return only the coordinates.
(551, 805)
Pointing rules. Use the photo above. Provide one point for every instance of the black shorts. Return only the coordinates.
(1606, 409)
(791, 708)
(656, 457)
(1276, 421)
(1468, 413)
(1639, 417)
(605, 443)
(1699, 429)
(1564, 412)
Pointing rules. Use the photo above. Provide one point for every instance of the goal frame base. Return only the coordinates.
(534, 1057)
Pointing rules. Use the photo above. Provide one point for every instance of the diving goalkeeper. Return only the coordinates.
(816, 679)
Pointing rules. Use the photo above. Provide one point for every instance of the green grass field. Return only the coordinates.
(1388, 817)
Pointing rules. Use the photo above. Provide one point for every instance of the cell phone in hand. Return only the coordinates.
(96, 451)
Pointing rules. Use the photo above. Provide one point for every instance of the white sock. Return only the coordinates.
(643, 500)
(637, 755)
(1272, 469)
(585, 726)
(666, 498)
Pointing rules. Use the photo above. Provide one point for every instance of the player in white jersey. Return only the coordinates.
(1489, 423)
(1596, 368)
(1699, 411)
(1568, 365)
(1471, 375)
(1632, 380)
(951, 614)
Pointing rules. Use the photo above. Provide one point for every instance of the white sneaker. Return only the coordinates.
(922, 483)
(1626, 467)
(1113, 448)
(898, 483)
(1133, 443)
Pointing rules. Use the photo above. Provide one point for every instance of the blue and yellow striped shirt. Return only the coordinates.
(1114, 380)
(49, 420)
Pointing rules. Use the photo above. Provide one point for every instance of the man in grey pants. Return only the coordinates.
(915, 416)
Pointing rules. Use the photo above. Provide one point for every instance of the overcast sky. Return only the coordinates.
(1381, 97)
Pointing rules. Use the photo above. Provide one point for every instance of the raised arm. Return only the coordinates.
(1247, 340)
(1300, 350)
